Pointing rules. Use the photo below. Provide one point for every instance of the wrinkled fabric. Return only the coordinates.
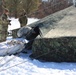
(23, 31)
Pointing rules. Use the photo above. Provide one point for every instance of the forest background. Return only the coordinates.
(34, 8)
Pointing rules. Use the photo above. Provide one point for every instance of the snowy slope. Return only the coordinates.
(21, 64)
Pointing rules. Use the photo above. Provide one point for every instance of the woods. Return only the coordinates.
(1, 10)
(15, 6)
(48, 7)
(34, 8)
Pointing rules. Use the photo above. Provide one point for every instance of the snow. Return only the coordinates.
(12, 46)
(22, 64)
(15, 23)
(45, 0)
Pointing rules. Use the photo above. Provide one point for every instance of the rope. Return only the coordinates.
(12, 66)
(5, 57)
(18, 63)
(7, 61)
(11, 58)
(15, 57)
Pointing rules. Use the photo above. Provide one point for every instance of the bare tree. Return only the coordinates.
(15, 6)
(1, 7)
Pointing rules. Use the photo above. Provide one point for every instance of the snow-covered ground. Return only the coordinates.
(15, 23)
(21, 64)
